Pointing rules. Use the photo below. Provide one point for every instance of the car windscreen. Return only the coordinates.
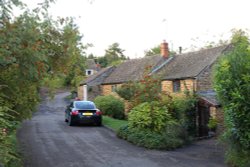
(84, 105)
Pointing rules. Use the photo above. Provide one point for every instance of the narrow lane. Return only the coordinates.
(47, 141)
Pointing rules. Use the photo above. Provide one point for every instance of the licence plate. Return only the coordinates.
(87, 113)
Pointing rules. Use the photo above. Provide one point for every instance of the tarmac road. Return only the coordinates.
(47, 141)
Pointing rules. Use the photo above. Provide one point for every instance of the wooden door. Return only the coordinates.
(203, 119)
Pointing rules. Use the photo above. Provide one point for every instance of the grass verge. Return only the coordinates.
(112, 123)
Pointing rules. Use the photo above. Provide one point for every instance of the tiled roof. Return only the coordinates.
(91, 64)
(187, 65)
(190, 65)
(132, 70)
(209, 96)
(98, 77)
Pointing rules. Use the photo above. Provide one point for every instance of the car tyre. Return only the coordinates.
(99, 123)
(70, 122)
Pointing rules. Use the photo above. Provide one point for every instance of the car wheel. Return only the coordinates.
(99, 123)
(65, 118)
(70, 122)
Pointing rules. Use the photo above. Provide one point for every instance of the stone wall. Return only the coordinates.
(80, 92)
(93, 92)
(106, 90)
(167, 86)
(204, 80)
(187, 84)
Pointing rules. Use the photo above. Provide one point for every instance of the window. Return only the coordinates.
(83, 105)
(176, 86)
(89, 72)
(113, 88)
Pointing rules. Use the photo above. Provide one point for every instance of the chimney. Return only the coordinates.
(180, 50)
(164, 49)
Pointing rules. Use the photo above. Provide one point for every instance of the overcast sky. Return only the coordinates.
(138, 25)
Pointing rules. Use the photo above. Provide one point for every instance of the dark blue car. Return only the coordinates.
(83, 112)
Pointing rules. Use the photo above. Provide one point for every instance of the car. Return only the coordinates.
(84, 112)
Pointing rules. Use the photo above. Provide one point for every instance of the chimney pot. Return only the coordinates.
(164, 49)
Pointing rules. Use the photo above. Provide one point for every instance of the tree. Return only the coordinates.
(32, 47)
(232, 80)
(156, 51)
(113, 56)
(153, 51)
(114, 52)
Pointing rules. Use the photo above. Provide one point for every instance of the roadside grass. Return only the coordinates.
(114, 124)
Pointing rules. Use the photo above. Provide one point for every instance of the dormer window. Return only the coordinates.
(89, 72)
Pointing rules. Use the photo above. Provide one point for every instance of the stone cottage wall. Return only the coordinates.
(204, 80)
(106, 90)
(93, 92)
(187, 84)
(80, 92)
(167, 86)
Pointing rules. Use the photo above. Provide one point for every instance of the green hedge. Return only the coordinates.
(110, 106)
(168, 140)
(232, 80)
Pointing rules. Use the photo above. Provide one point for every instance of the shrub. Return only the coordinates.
(145, 90)
(184, 110)
(123, 132)
(150, 116)
(151, 126)
(232, 80)
(168, 139)
(110, 106)
(127, 90)
(149, 89)
(212, 123)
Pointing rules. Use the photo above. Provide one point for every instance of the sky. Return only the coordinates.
(138, 25)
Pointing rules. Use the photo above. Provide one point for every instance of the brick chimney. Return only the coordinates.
(164, 49)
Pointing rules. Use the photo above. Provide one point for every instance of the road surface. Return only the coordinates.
(47, 141)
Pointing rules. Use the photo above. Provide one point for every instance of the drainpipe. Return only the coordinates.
(85, 92)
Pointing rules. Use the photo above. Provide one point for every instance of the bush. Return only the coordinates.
(151, 126)
(212, 123)
(128, 90)
(184, 110)
(232, 80)
(110, 106)
(150, 116)
(168, 139)
(123, 132)
(10, 155)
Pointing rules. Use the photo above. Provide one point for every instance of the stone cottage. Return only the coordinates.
(188, 71)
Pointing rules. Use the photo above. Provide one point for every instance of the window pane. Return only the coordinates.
(84, 105)
(176, 86)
